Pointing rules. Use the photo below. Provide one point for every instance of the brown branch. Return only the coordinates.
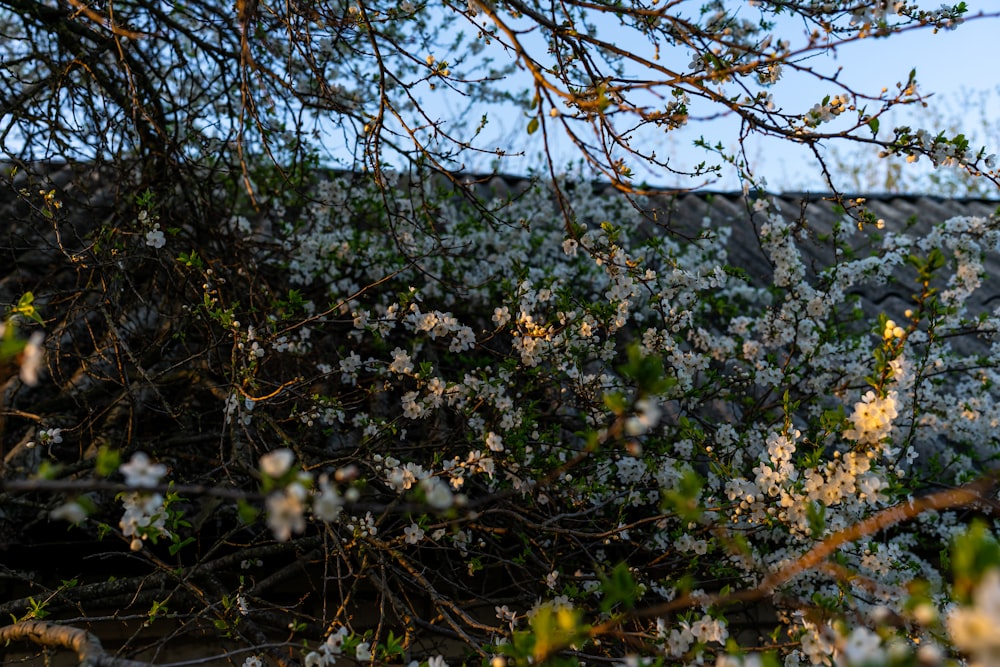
(84, 485)
(87, 647)
(815, 558)
(105, 590)
(105, 22)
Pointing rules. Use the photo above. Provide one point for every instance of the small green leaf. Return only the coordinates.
(26, 307)
(816, 516)
(178, 545)
(48, 470)
(683, 498)
(615, 402)
(973, 553)
(248, 513)
(190, 259)
(619, 587)
(107, 461)
(145, 199)
(532, 125)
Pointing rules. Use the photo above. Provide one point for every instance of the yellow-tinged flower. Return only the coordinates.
(872, 418)
(973, 629)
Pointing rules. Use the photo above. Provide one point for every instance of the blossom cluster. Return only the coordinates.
(429, 395)
(145, 514)
(564, 311)
(608, 414)
(286, 505)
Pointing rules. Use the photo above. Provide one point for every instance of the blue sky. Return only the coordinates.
(953, 65)
(947, 63)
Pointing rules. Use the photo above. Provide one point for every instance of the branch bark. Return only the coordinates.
(88, 648)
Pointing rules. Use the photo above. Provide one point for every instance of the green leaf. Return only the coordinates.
(554, 630)
(26, 307)
(816, 516)
(48, 470)
(873, 125)
(619, 587)
(10, 345)
(178, 545)
(615, 402)
(973, 553)
(646, 371)
(144, 200)
(248, 513)
(532, 125)
(190, 259)
(107, 461)
(684, 498)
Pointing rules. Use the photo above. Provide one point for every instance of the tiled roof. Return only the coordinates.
(816, 216)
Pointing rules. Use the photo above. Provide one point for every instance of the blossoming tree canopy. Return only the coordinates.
(404, 414)
(583, 428)
(458, 86)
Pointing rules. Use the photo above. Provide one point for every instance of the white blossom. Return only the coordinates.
(141, 472)
(276, 463)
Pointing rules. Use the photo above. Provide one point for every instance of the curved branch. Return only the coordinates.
(88, 648)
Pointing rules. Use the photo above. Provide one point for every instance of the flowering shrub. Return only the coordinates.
(607, 433)
(401, 416)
